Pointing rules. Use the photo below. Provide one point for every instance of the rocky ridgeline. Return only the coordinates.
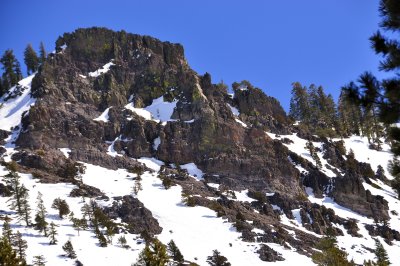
(203, 129)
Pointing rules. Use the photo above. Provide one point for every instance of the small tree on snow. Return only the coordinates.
(174, 252)
(39, 260)
(20, 245)
(62, 206)
(217, 259)
(52, 234)
(69, 250)
(40, 218)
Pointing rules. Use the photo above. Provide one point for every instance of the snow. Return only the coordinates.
(85, 245)
(104, 116)
(156, 143)
(65, 151)
(110, 150)
(241, 123)
(82, 76)
(12, 109)
(102, 70)
(213, 185)
(299, 146)
(234, 110)
(242, 196)
(197, 231)
(158, 111)
(363, 154)
(193, 170)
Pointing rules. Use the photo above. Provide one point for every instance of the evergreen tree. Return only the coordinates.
(154, 254)
(69, 250)
(8, 256)
(349, 115)
(381, 255)
(42, 53)
(40, 218)
(11, 70)
(7, 232)
(217, 259)
(52, 234)
(310, 147)
(174, 252)
(299, 103)
(26, 208)
(122, 241)
(102, 239)
(62, 206)
(20, 245)
(330, 254)
(31, 59)
(87, 211)
(19, 200)
(39, 261)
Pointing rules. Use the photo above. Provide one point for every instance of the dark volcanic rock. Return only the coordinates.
(84, 190)
(268, 254)
(133, 212)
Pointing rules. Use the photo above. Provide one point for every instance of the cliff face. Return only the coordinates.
(202, 128)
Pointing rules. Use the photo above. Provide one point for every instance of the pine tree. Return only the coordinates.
(102, 239)
(69, 250)
(7, 232)
(122, 241)
(53, 234)
(11, 70)
(349, 114)
(21, 245)
(313, 153)
(19, 200)
(39, 261)
(87, 211)
(330, 254)
(40, 218)
(42, 53)
(299, 103)
(62, 206)
(8, 256)
(174, 252)
(217, 259)
(154, 254)
(31, 59)
(26, 208)
(382, 258)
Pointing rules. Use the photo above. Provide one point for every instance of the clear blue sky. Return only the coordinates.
(271, 43)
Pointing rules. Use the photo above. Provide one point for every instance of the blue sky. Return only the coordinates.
(271, 43)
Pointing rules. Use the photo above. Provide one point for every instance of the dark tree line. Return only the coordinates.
(12, 69)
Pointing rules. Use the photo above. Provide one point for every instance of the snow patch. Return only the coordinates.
(193, 170)
(102, 70)
(65, 151)
(104, 116)
(158, 111)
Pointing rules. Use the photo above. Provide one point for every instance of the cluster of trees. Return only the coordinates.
(157, 254)
(319, 114)
(12, 69)
(12, 246)
(331, 254)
